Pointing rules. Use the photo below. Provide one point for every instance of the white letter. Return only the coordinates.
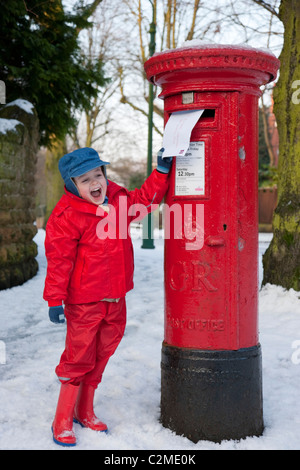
(177, 226)
(2, 92)
(296, 354)
(106, 228)
(194, 228)
(2, 353)
(123, 220)
(141, 209)
(295, 99)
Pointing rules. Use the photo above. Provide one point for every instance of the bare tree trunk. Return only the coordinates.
(282, 259)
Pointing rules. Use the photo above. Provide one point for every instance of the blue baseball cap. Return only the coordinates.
(77, 163)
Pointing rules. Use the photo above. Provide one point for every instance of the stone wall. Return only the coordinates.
(19, 135)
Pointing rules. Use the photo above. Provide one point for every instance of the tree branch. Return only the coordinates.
(88, 11)
(267, 7)
(190, 34)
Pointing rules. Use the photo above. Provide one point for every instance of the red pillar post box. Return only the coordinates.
(211, 358)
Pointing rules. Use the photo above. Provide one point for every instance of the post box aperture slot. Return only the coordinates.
(209, 114)
(208, 120)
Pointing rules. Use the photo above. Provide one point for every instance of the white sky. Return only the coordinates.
(129, 128)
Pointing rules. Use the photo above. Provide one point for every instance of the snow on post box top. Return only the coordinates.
(214, 67)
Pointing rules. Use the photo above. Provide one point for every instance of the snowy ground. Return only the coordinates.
(128, 398)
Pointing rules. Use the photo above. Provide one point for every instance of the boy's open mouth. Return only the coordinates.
(96, 192)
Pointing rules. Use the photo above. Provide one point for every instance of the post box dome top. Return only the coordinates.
(211, 66)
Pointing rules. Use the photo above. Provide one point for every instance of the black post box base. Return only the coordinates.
(212, 395)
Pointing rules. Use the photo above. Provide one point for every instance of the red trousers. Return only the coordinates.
(94, 332)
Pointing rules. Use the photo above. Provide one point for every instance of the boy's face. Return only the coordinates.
(92, 186)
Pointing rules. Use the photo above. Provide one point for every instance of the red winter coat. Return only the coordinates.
(82, 267)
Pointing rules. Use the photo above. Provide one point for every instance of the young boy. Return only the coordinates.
(90, 275)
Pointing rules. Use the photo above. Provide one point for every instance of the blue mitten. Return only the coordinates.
(163, 164)
(56, 314)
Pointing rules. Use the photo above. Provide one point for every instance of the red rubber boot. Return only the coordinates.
(62, 427)
(84, 409)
